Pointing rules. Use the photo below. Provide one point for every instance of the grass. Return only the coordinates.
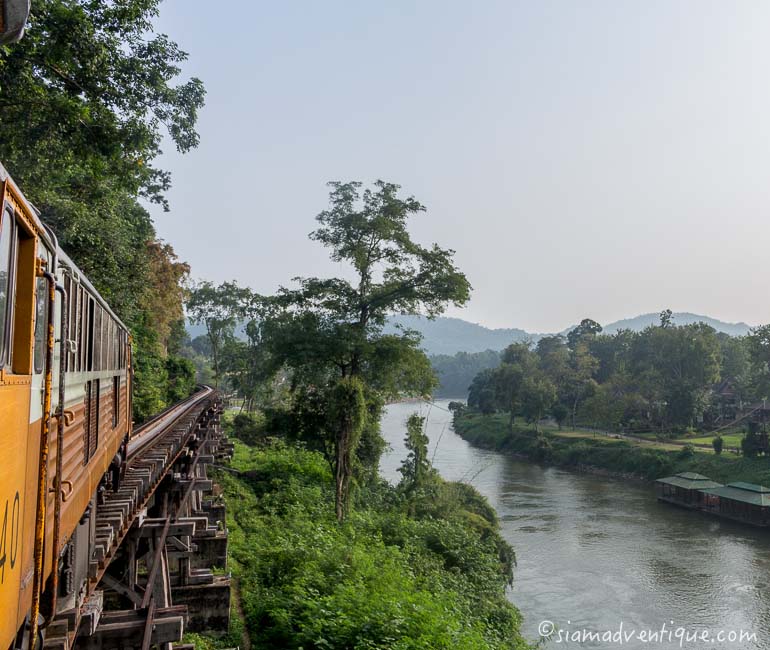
(730, 440)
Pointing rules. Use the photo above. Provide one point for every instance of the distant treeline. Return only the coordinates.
(456, 372)
(664, 378)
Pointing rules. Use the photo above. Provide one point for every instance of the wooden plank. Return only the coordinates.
(122, 589)
(160, 543)
(148, 625)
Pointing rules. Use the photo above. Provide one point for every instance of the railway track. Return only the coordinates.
(156, 538)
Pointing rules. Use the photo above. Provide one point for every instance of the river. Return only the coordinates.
(595, 552)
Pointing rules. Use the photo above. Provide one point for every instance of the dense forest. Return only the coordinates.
(665, 378)
(456, 372)
(87, 96)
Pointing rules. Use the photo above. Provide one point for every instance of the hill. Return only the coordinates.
(451, 335)
(680, 318)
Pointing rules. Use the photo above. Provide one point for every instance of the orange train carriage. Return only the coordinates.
(65, 415)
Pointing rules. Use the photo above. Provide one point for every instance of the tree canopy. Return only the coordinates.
(87, 97)
(664, 378)
(329, 330)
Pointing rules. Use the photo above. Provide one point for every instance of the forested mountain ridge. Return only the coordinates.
(638, 323)
(451, 335)
(446, 335)
(459, 349)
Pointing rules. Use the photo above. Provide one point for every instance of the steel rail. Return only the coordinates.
(149, 433)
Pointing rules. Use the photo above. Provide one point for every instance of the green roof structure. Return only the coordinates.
(757, 495)
(690, 481)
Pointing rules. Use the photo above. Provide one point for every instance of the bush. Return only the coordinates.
(718, 444)
(687, 451)
(249, 428)
(381, 580)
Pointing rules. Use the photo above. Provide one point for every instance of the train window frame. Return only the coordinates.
(40, 330)
(84, 330)
(90, 316)
(91, 419)
(115, 401)
(98, 337)
(20, 358)
(6, 332)
(65, 345)
(74, 333)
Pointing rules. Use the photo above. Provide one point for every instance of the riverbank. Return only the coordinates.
(602, 551)
(606, 456)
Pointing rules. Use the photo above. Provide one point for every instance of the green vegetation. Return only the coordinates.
(317, 357)
(86, 98)
(615, 455)
(456, 372)
(663, 382)
(417, 566)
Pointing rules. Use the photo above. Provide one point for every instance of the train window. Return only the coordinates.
(69, 289)
(91, 420)
(90, 335)
(113, 346)
(74, 302)
(6, 286)
(83, 330)
(41, 317)
(115, 401)
(98, 338)
(68, 294)
(107, 347)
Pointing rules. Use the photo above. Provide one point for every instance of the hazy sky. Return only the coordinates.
(596, 159)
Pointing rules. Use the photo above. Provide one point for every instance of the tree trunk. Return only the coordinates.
(342, 472)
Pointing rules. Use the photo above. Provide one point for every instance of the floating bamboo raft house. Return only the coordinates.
(745, 502)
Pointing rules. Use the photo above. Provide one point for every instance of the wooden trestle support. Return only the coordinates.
(160, 546)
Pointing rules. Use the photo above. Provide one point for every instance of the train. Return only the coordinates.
(65, 420)
(13, 18)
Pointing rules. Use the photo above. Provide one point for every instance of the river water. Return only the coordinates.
(594, 553)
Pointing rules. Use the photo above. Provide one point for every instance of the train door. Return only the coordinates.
(19, 439)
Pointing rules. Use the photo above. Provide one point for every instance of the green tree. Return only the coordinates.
(347, 414)
(685, 362)
(537, 396)
(718, 444)
(481, 393)
(416, 470)
(758, 348)
(86, 98)
(455, 373)
(517, 363)
(332, 329)
(218, 308)
(181, 378)
(560, 413)
(587, 330)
